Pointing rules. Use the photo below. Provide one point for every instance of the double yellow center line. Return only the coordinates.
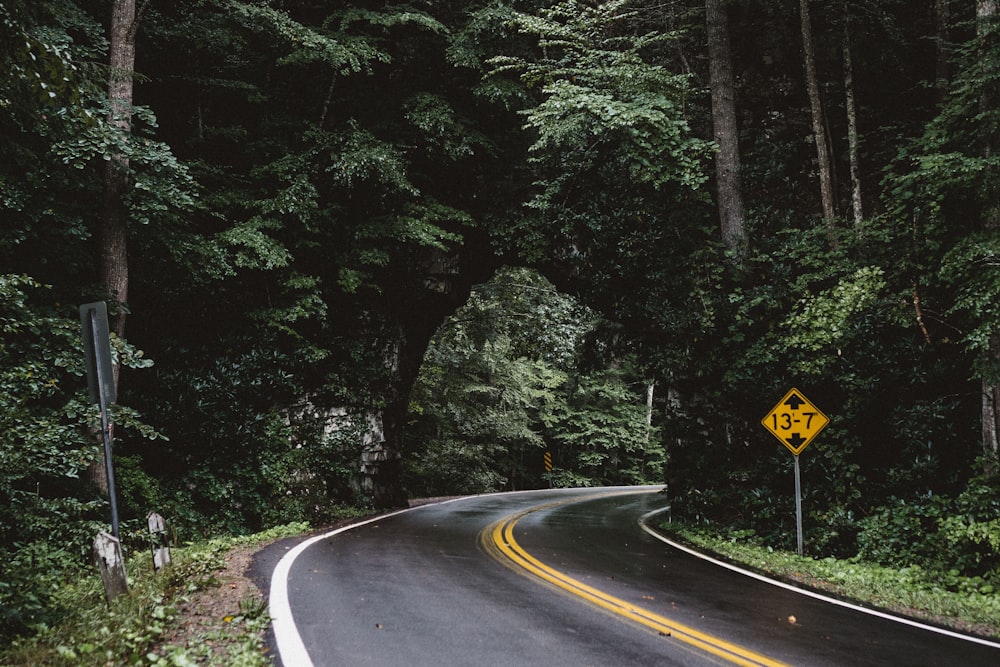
(498, 540)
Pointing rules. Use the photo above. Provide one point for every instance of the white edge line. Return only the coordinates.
(287, 639)
(807, 592)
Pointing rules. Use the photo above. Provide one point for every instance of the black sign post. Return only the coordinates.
(101, 384)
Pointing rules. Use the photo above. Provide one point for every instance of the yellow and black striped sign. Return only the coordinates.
(547, 459)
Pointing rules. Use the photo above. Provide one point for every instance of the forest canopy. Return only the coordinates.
(357, 251)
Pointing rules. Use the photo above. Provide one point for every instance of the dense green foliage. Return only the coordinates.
(322, 201)
(47, 426)
(141, 628)
(506, 380)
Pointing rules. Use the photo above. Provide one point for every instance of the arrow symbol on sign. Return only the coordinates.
(795, 441)
(794, 402)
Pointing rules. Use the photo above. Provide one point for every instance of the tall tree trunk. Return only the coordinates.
(818, 122)
(986, 16)
(942, 66)
(649, 409)
(725, 130)
(113, 232)
(852, 125)
(114, 224)
(991, 415)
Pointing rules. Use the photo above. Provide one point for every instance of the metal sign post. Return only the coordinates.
(101, 384)
(795, 422)
(798, 505)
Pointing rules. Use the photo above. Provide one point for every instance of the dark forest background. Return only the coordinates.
(356, 252)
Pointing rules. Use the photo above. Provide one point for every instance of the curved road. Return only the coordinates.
(560, 577)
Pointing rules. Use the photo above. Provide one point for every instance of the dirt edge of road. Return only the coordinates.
(207, 620)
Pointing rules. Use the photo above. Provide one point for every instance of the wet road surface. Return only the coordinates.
(436, 586)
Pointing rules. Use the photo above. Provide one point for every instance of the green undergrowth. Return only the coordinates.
(966, 604)
(135, 628)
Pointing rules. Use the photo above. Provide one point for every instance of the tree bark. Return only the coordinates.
(818, 122)
(113, 231)
(852, 126)
(114, 224)
(991, 417)
(942, 66)
(725, 131)
(986, 15)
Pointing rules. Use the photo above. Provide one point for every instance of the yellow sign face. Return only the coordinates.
(795, 421)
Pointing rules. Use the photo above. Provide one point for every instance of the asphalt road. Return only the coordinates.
(554, 578)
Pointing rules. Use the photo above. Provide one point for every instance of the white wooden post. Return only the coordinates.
(158, 540)
(108, 558)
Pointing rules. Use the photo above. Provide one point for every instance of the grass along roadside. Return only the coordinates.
(944, 599)
(199, 610)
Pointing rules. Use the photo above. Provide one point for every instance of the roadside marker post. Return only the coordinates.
(158, 540)
(795, 422)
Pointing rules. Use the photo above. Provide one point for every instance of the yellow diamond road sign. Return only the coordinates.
(795, 421)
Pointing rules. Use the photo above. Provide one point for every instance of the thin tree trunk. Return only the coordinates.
(725, 130)
(991, 417)
(326, 102)
(649, 409)
(852, 126)
(942, 66)
(986, 14)
(818, 123)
